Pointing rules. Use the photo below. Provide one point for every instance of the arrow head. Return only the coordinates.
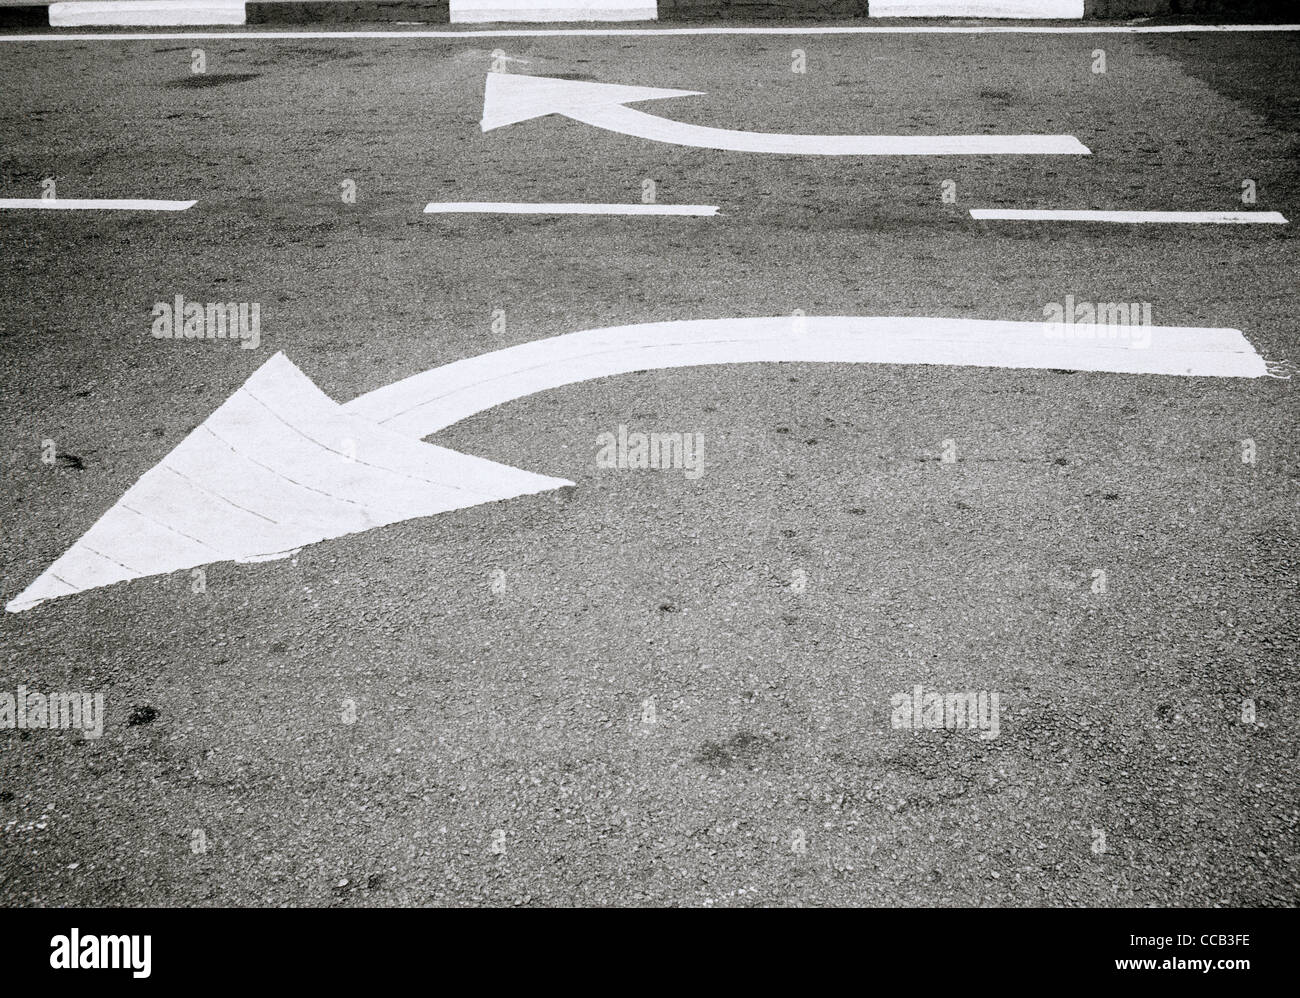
(509, 98)
(277, 466)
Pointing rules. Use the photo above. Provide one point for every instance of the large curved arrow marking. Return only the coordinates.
(280, 465)
(509, 98)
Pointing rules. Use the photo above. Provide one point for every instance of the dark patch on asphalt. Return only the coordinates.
(1259, 75)
(72, 461)
(743, 746)
(202, 80)
(141, 715)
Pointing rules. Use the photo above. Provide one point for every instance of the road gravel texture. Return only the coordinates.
(647, 689)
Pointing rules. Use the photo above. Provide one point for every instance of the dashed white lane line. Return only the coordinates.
(94, 204)
(565, 208)
(932, 29)
(1130, 217)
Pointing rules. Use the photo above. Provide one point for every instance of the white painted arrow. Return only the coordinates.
(277, 466)
(509, 98)
(280, 465)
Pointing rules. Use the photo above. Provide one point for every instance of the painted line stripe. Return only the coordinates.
(565, 208)
(95, 204)
(1193, 217)
(945, 29)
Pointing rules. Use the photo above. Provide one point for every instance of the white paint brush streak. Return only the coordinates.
(94, 204)
(976, 8)
(1131, 217)
(928, 29)
(509, 98)
(428, 402)
(564, 208)
(161, 13)
(547, 11)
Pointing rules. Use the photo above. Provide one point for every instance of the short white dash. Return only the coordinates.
(95, 204)
(1191, 217)
(565, 208)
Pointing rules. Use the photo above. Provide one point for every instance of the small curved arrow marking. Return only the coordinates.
(510, 98)
(280, 465)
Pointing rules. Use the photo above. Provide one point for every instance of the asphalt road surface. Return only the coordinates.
(650, 688)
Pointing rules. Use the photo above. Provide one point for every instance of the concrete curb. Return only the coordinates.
(35, 15)
(344, 11)
(24, 14)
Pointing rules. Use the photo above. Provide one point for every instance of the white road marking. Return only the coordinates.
(546, 11)
(1196, 217)
(280, 465)
(268, 472)
(94, 204)
(976, 8)
(565, 208)
(428, 402)
(85, 13)
(931, 29)
(509, 98)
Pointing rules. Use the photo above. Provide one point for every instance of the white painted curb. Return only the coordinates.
(1044, 9)
(549, 11)
(154, 13)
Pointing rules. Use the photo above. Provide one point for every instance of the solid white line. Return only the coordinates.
(934, 29)
(565, 208)
(95, 204)
(1194, 217)
(428, 402)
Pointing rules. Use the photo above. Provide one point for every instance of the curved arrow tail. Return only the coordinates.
(428, 402)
